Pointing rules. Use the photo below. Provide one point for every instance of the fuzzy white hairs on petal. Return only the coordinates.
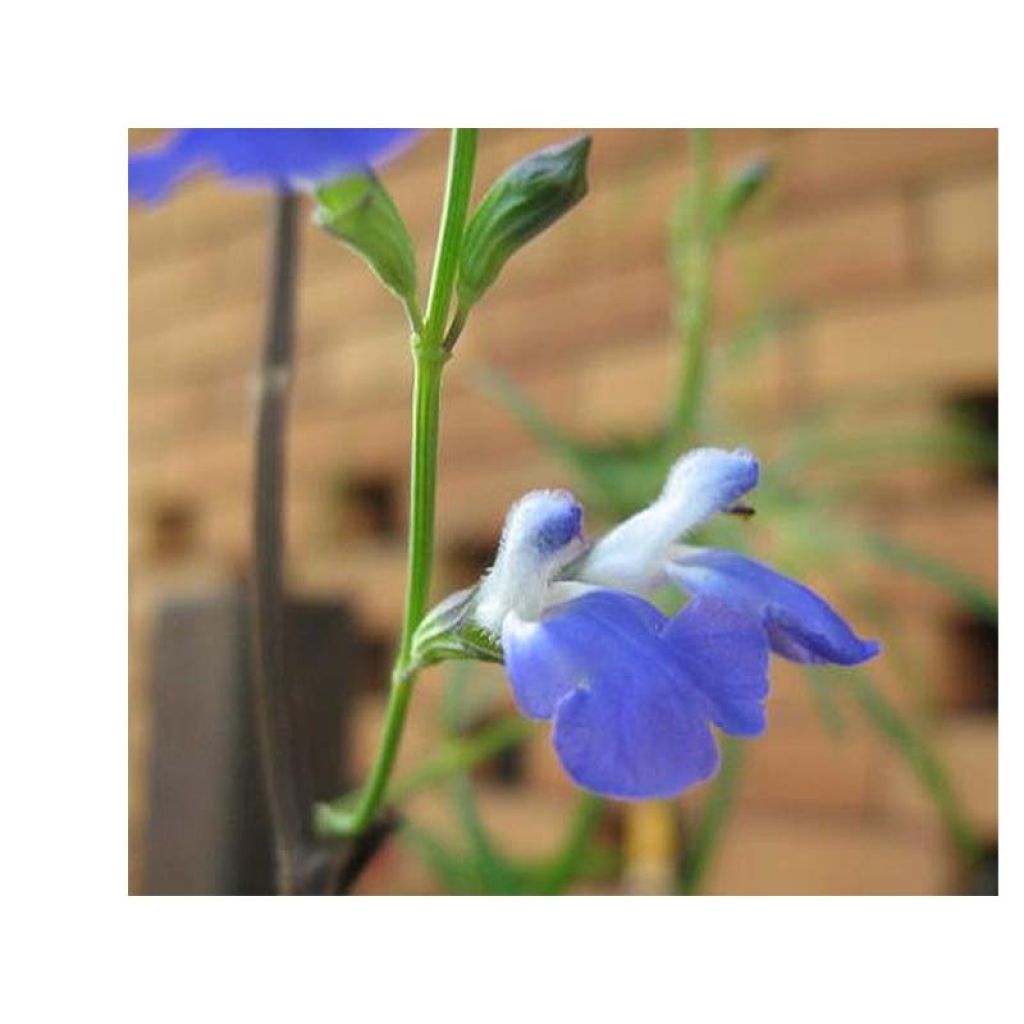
(700, 484)
(543, 532)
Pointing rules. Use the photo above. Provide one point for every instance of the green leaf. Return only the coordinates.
(461, 754)
(499, 878)
(527, 198)
(569, 863)
(455, 874)
(359, 211)
(901, 556)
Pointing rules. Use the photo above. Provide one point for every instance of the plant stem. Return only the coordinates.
(286, 770)
(429, 357)
(693, 251)
(461, 162)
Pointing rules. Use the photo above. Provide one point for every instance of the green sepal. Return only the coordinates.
(358, 210)
(530, 196)
(737, 192)
(448, 633)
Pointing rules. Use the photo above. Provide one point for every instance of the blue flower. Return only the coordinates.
(643, 553)
(275, 157)
(632, 693)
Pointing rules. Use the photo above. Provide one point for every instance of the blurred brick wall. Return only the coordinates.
(884, 240)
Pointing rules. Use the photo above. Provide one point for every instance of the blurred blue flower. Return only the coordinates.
(631, 692)
(276, 157)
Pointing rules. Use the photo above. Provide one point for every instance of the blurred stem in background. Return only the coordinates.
(922, 759)
(284, 754)
(429, 356)
(304, 863)
(692, 251)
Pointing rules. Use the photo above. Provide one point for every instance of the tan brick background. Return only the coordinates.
(883, 241)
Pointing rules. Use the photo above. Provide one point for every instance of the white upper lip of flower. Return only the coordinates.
(703, 482)
(523, 571)
(630, 557)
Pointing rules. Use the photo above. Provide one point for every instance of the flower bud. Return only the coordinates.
(359, 211)
(738, 191)
(525, 200)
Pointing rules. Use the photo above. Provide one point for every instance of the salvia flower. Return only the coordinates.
(274, 157)
(644, 553)
(632, 693)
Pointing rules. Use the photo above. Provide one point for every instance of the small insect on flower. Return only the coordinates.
(632, 693)
(275, 157)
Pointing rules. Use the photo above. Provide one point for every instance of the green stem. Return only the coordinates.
(429, 357)
(693, 246)
(461, 162)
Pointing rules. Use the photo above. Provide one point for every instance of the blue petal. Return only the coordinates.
(267, 156)
(628, 721)
(800, 625)
(643, 736)
(546, 660)
(153, 173)
(725, 653)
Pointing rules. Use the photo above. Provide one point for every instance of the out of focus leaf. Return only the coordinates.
(753, 335)
(617, 479)
(896, 554)
(558, 875)
(898, 654)
(870, 450)
(501, 387)
(825, 703)
(498, 877)
(910, 743)
(459, 755)
(453, 871)
(806, 526)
